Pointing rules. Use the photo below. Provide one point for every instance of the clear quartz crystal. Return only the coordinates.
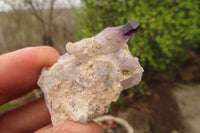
(83, 82)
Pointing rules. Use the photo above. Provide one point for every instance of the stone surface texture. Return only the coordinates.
(83, 82)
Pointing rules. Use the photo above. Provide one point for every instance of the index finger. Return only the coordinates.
(20, 70)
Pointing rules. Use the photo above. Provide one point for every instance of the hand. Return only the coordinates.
(19, 71)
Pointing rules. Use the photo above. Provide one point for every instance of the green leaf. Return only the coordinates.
(4, 108)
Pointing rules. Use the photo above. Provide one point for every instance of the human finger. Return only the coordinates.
(72, 127)
(25, 119)
(20, 70)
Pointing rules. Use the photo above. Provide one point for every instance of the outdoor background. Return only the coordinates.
(167, 45)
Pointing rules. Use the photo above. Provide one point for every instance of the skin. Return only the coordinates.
(19, 72)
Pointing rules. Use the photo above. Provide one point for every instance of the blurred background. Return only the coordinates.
(167, 45)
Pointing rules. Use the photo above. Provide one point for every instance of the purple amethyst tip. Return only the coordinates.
(131, 28)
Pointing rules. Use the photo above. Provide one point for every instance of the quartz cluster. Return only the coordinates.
(83, 82)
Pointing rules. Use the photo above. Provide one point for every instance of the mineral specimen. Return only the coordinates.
(83, 82)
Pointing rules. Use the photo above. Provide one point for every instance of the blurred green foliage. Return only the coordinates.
(141, 89)
(169, 29)
(4, 108)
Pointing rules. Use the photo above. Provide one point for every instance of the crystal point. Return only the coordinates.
(131, 28)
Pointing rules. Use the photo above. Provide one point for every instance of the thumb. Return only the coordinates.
(72, 127)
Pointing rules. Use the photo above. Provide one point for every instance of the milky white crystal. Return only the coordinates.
(83, 82)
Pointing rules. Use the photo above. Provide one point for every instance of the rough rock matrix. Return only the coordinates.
(83, 82)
